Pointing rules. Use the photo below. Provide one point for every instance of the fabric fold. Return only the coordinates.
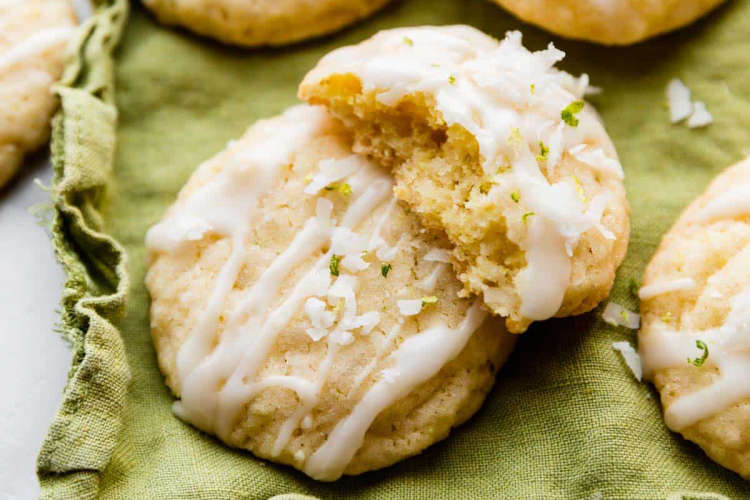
(84, 430)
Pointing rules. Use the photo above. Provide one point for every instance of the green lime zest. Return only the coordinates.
(343, 188)
(385, 269)
(543, 153)
(568, 114)
(699, 361)
(333, 265)
(430, 299)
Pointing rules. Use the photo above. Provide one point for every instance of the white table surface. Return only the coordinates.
(34, 359)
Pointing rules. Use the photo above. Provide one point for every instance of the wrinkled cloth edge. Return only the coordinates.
(83, 432)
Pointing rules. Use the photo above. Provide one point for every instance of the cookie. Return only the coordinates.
(619, 22)
(33, 37)
(494, 146)
(262, 22)
(695, 337)
(300, 312)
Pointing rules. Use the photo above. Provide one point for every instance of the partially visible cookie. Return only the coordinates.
(302, 313)
(612, 22)
(695, 336)
(262, 22)
(495, 146)
(33, 37)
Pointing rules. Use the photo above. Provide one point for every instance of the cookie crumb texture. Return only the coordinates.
(34, 37)
(262, 22)
(494, 146)
(614, 22)
(696, 321)
(274, 321)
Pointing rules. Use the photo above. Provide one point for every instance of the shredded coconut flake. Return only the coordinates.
(616, 315)
(631, 357)
(316, 333)
(681, 107)
(596, 158)
(438, 255)
(332, 170)
(321, 319)
(409, 307)
(354, 263)
(366, 321)
(700, 117)
(342, 337)
(678, 98)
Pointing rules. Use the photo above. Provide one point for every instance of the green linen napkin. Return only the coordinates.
(566, 418)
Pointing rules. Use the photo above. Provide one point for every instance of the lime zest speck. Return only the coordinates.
(343, 188)
(428, 300)
(568, 114)
(543, 153)
(385, 269)
(699, 361)
(333, 265)
(579, 189)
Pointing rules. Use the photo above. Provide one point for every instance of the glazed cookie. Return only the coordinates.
(695, 338)
(614, 22)
(300, 312)
(493, 145)
(262, 22)
(33, 36)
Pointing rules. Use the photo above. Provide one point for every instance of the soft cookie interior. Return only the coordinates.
(442, 174)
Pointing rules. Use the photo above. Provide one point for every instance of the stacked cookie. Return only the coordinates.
(335, 290)
(695, 338)
(33, 37)
(276, 22)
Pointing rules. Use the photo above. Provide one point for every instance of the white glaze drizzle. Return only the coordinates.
(495, 90)
(667, 286)
(728, 345)
(728, 351)
(429, 283)
(37, 43)
(383, 347)
(416, 360)
(219, 376)
(734, 202)
(249, 316)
